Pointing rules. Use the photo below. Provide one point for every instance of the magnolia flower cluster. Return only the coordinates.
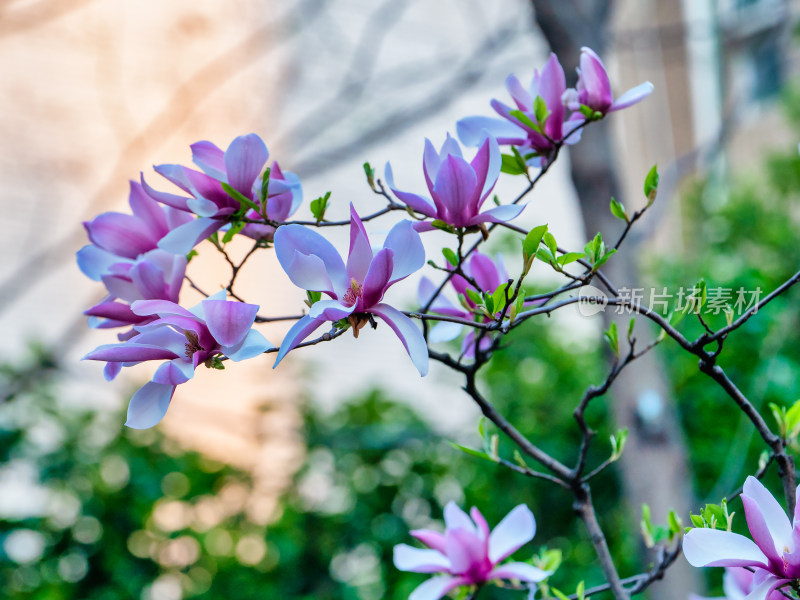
(141, 257)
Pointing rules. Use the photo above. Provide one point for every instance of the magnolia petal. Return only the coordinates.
(466, 550)
(520, 571)
(111, 370)
(431, 161)
(409, 252)
(121, 234)
(766, 520)
(498, 214)
(253, 345)
(129, 352)
(480, 522)
(485, 273)
(436, 587)
(171, 200)
(147, 210)
(714, 548)
(516, 529)
(330, 310)
(174, 372)
(766, 587)
(149, 405)
(94, 261)
(454, 188)
(377, 278)
(202, 207)
(149, 280)
(210, 158)
(113, 310)
(229, 321)
(244, 159)
(183, 238)
(522, 97)
(444, 332)
(632, 96)
(595, 81)
(310, 261)
(471, 131)
(432, 539)
(360, 254)
(455, 518)
(161, 308)
(409, 335)
(552, 85)
(298, 332)
(419, 560)
(416, 202)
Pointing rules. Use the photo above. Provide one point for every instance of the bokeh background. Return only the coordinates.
(296, 483)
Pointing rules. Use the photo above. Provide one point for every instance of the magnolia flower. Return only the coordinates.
(737, 583)
(356, 288)
(184, 338)
(239, 167)
(550, 85)
(489, 275)
(775, 555)
(468, 553)
(594, 88)
(458, 188)
(119, 238)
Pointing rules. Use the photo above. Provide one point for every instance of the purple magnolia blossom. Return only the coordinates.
(467, 553)
(737, 584)
(774, 553)
(594, 88)
(489, 275)
(550, 85)
(240, 167)
(184, 338)
(120, 238)
(458, 188)
(355, 288)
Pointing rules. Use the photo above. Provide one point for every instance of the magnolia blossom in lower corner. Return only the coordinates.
(737, 584)
(468, 553)
(774, 553)
(186, 339)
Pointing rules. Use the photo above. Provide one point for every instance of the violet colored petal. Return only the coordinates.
(409, 335)
(298, 332)
(176, 174)
(632, 96)
(436, 587)
(444, 332)
(121, 234)
(416, 202)
(471, 131)
(129, 352)
(595, 81)
(522, 97)
(111, 370)
(432, 539)
(480, 522)
(520, 571)
(359, 256)
(409, 252)
(431, 161)
(466, 551)
(164, 337)
(419, 560)
(122, 287)
(766, 587)
(498, 214)
(174, 372)
(553, 84)
(454, 186)
(766, 520)
(182, 239)
(377, 278)
(160, 308)
(485, 273)
(310, 261)
(450, 147)
(516, 529)
(149, 405)
(202, 207)
(149, 280)
(229, 321)
(244, 159)
(330, 310)
(210, 158)
(441, 304)
(94, 261)
(113, 310)
(455, 518)
(251, 346)
(147, 210)
(715, 548)
(172, 200)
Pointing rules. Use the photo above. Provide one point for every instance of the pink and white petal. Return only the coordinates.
(498, 214)
(244, 159)
(516, 529)
(229, 321)
(113, 310)
(171, 200)
(296, 334)
(409, 251)
(431, 161)
(454, 187)
(161, 308)
(522, 97)
(416, 202)
(480, 521)
(552, 85)
(177, 174)
(520, 571)
(419, 560)
(149, 405)
(471, 130)
(485, 272)
(164, 337)
(111, 370)
(183, 238)
(174, 372)
(202, 207)
(147, 210)
(715, 548)
(210, 158)
(766, 519)
(94, 261)
(377, 279)
(310, 261)
(122, 287)
(632, 96)
(766, 587)
(455, 518)
(432, 539)
(330, 310)
(129, 352)
(595, 80)
(450, 147)
(149, 279)
(121, 234)
(436, 587)
(409, 335)
(253, 345)
(359, 256)
(466, 550)
(444, 332)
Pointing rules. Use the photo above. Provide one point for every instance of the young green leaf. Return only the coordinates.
(234, 229)
(450, 256)
(525, 120)
(244, 202)
(540, 110)
(439, 224)
(510, 165)
(370, 173)
(618, 210)
(612, 337)
(319, 206)
(532, 241)
(651, 185)
(474, 296)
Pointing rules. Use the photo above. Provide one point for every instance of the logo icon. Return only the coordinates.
(591, 300)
